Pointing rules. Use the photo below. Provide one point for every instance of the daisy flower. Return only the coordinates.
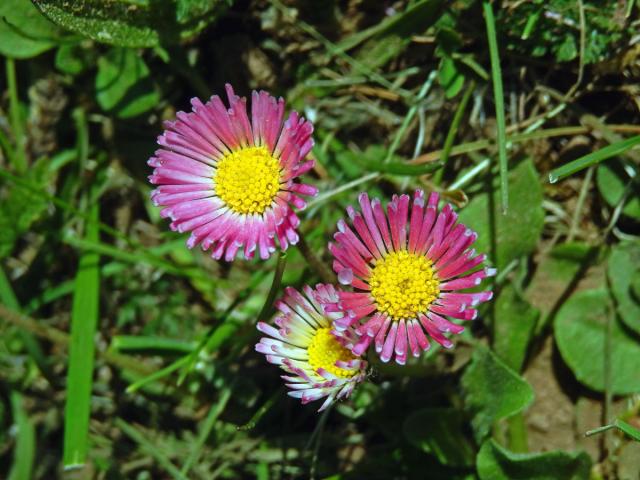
(229, 179)
(317, 357)
(406, 273)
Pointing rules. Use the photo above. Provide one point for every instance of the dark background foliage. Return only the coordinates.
(403, 96)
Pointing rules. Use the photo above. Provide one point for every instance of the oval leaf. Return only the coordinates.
(580, 328)
(497, 463)
(516, 233)
(24, 32)
(624, 265)
(493, 391)
(439, 431)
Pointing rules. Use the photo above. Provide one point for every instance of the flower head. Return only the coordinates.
(231, 180)
(317, 357)
(406, 273)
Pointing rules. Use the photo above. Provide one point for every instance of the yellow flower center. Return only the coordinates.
(248, 179)
(403, 284)
(324, 351)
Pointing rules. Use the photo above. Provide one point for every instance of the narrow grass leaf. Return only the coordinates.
(31, 343)
(628, 429)
(206, 429)
(496, 75)
(598, 156)
(25, 448)
(84, 318)
(136, 343)
(620, 425)
(146, 446)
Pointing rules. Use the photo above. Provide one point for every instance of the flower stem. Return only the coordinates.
(314, 262)
(275, 286)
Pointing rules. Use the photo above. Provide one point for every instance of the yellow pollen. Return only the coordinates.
(324, 351)
(403, 284)
(248, 180)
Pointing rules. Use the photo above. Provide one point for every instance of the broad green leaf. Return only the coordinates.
(492, 391)
(128, 23)
(123, 85)
(517, 233)
(115, 22)
(497, 463)
(439, 431)
(514, 322)
(624, 265)
(555, 274)
(24, 32)
(580, 328)
(612, 181)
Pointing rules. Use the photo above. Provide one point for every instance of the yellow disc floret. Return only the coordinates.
(248, 179)
(324, 351)
(403, 284)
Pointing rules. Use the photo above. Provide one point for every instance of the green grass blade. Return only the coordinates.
(207, 427)
(31, 343)
(136, 343)
(25, 441)
(453, 129)
(457, 118)
(620, 425)
(158, 374)
(598, 156)
(628, 429)
(149, 448)
(17, 122)
(84, 319)
(496, 75)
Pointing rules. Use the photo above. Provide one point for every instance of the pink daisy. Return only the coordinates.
(231, 180)
(406, 275)
(317, 357)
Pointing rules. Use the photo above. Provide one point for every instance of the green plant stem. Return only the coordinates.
(453, 129)
(314, 262)
(608, 371)
(17, 124)
(343, 188)
(498, 95)
(518, 434)
(275, 286)
(262, 410)
(575, 221)
(426, 86)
